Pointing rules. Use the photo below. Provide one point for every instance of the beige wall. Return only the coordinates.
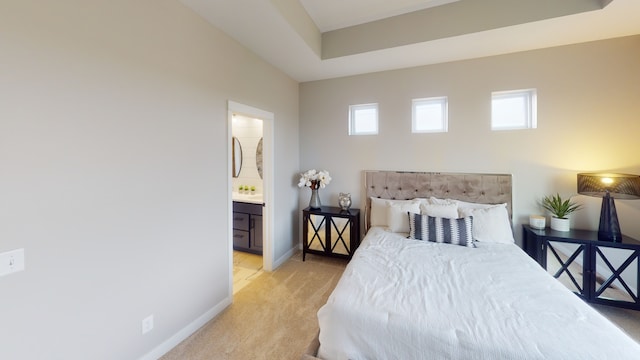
(588, 120)
(113, 172)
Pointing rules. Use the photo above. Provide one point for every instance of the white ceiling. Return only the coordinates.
(267, 28)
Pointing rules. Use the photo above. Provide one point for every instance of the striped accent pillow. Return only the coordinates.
(442, 230)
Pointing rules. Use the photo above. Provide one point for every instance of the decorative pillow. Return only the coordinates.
(379, 210)
(490, 224)
(449, 211)
(397, 218)
(471, 205)
(421, 200)
(437, 201)
(441, 230)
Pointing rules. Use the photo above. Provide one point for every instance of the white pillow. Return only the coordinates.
(379, 211)
(449, 211)
(398, 217)
(437, 201)
(490, 224)
(472, 205)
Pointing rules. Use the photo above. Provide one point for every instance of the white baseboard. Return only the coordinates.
(284, 258)
(185, 332)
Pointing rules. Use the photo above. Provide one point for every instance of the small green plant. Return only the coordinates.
(558, 207)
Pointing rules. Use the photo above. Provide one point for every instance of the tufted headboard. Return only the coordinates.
(401, 185)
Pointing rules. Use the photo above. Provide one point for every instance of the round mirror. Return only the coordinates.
(259, 158)
(236, 155)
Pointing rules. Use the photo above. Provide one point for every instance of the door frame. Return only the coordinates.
(267, 182)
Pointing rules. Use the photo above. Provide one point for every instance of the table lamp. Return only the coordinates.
(609, 187)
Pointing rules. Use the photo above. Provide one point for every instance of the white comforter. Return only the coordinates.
(409, 299)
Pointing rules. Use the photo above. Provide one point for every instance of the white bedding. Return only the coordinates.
(410, 299)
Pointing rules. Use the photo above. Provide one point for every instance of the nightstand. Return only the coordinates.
(330, 231)
(600, 272)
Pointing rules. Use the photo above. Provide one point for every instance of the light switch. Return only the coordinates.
(11, 261)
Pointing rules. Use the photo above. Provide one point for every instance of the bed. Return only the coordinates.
(440, 297)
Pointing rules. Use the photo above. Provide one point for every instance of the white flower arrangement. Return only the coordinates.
(314, 179)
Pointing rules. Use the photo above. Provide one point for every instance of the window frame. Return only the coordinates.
(443, 101)
(530, 98)
(353, 109)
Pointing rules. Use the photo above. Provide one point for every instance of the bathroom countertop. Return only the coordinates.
(247, 198)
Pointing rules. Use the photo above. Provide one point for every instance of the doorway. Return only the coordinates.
(252, 192)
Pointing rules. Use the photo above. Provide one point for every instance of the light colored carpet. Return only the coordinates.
(627, 320)
(274, 315)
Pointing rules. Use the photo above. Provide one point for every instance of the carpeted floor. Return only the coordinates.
(627, 320)
(274, 315)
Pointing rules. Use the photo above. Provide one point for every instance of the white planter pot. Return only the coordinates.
(558, 224)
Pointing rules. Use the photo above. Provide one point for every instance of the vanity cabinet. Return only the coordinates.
(247, 227)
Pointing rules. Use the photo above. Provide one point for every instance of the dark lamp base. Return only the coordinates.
(609, 229)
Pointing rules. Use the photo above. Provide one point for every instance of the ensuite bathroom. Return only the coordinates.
(248, 199)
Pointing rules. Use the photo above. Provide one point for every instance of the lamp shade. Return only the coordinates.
(619, 186)
(609, 186)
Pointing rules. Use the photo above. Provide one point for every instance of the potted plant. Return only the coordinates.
(560, 210)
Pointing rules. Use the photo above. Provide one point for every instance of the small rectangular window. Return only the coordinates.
(429, 115)
(363, 119)
(511, 110)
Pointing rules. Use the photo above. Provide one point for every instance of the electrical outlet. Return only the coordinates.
(11, 261)
(147, 324)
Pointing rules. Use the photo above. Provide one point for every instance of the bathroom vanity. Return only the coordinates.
(247, 226)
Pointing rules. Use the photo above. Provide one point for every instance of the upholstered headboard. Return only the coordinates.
(401, 185)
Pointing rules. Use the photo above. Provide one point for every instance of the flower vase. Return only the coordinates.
(314, 202)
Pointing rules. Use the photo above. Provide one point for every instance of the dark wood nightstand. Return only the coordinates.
(601, 272)
(330, 231)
